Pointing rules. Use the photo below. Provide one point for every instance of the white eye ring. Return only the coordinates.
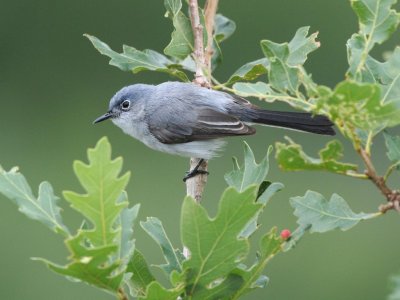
(125, 104)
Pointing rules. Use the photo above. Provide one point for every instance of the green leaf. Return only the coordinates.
(258, 89)
(291, 157)
(99, 254)
(386, 75)
(359, 105)
(182, 40)
(286, 60)
(222, 290)
(251, 173)
(377, 22)
(172, 6)
(301, 45)
(270, 245)
(44, 209)
(136, 61)
(223, 28)
(154, 228)
(250, 71)
(282, 76)
(207, 239)
(393, 146)
(157, 292)
(141, 275)
(127, 243)
(323, 215)
(90, 265)
(395, 288)
(100, 178)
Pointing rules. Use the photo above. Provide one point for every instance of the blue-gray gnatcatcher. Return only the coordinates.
(188, 120)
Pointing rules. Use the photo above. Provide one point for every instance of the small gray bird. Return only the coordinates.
(188, 120)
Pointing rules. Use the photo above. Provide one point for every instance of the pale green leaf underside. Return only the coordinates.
(393, 147)
(136, 61)
(155, 229)
(44, 208)
(395, 288)
(323, 215)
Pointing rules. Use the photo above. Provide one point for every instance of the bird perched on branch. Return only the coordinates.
(188, 120)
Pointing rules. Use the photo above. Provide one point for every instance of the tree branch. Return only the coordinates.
(195, 185)
(392, 196)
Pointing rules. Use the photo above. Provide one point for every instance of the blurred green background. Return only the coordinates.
(53, 84)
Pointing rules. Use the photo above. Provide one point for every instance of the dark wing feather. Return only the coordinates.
(199, 124)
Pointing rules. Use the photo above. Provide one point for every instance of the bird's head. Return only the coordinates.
(126, 102)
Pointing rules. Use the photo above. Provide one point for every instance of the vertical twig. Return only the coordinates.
(210, 11)
(195, 185)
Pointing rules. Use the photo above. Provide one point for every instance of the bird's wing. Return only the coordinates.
(198, 124)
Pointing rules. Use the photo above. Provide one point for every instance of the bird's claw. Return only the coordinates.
(193, 173)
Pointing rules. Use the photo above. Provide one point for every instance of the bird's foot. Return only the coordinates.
(195, 171)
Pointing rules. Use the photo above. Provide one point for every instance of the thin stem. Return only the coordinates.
(210, 10)
(198, 52)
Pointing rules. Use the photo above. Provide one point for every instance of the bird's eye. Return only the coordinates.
(126, 104)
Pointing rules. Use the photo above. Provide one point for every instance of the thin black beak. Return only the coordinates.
(104, 117)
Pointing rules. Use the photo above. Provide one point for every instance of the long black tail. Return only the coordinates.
(299, 121)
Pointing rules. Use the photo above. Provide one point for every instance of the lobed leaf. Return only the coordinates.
(44, 208)
(286, 60)
(251, 173)
(99, 254)
(322, 215)
(291, 157)
(100, 205)
(207, 239)
(136, 61)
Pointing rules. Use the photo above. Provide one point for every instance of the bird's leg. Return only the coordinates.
(195, 171)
